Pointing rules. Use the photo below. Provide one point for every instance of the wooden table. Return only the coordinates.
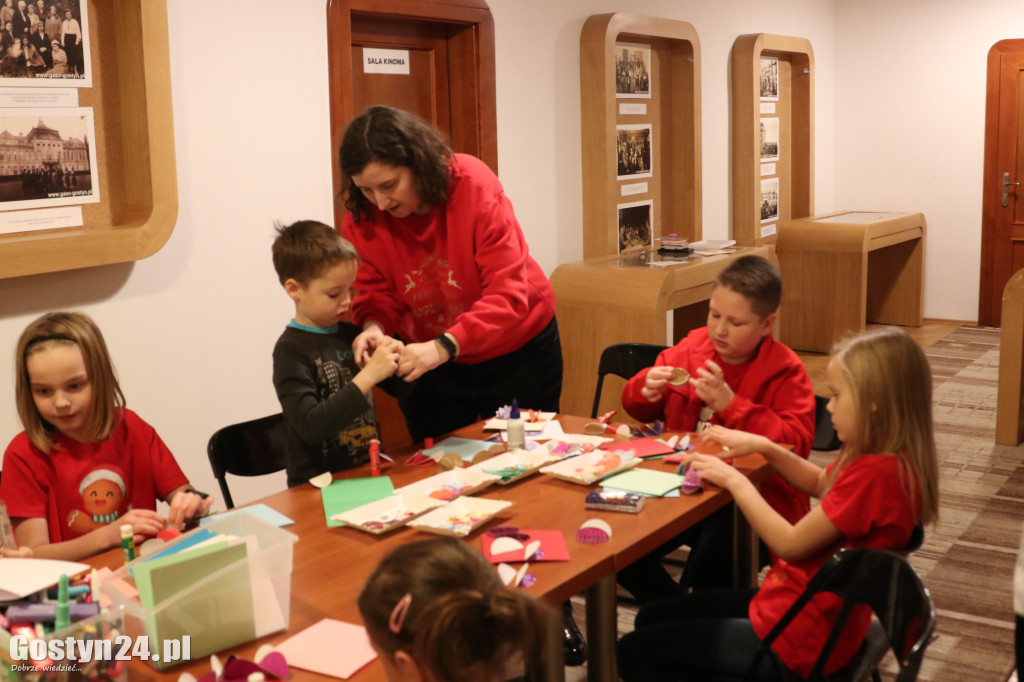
(623, 299)
(331, 564)
(842, 270)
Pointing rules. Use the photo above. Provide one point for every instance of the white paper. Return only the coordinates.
(767, 107)
(767, 169)
(40, 219)
(768, 230)
(632, 108)
(22, 577)
(38, 97)
(633, 188)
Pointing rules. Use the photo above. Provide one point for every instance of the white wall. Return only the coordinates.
(910, 125)
(191, 328)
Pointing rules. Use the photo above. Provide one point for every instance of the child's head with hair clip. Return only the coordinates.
(65, 381)
(881, 403)
(436, 611)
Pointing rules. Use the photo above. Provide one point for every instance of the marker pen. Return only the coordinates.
(128, 542)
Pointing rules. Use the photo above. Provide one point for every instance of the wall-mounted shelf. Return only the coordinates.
(131, 100)
(794, 110)
(673, 111)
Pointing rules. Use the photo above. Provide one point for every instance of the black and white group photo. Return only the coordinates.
(635, 225)
(633, 153)
(632, 70)
(44, 43)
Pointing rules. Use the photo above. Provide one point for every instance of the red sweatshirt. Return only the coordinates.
(775, 399)
(464, 268)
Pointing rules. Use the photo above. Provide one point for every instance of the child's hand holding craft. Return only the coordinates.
(654, 385)
(739, 443)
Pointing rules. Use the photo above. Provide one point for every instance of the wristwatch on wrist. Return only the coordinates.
(448, 345)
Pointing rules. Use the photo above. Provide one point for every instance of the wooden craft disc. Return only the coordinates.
(450, 461)
(485, 455)
(680, 377)
(594, 429)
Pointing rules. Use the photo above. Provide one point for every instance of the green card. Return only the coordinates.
(644, 481)
(340, 496)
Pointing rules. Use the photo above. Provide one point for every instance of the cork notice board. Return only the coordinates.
(131, 100)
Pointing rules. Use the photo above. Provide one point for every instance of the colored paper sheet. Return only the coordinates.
(465, 448)
(552, 547)
(330, 647)
(643, 447)
(260, 511)
(189, 541)
(343, 495)
(21, 577)
(645, 481)
(188, 567)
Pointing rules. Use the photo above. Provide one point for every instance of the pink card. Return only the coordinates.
(643, 447)
(552, 547)
(317, 648)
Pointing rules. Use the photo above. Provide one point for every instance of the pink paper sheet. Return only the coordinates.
(330, 647)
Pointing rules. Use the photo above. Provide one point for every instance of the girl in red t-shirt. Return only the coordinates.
(85, 465)
(880, 385)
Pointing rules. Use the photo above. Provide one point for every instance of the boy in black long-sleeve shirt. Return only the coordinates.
(324, 395)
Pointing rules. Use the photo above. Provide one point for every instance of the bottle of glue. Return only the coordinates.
(514, 428)
(375, 457)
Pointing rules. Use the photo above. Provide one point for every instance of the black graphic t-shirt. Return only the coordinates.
(330, 421)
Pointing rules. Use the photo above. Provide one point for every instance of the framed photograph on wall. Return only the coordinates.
(635, 225)
(769, 139)
(633, 151)
(769, 200)
(770, 79)
(47, 158)
(45, 44)
(633, 70)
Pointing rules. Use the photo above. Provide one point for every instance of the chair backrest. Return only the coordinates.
(251, 448)
(887, 583)
(623, 360)
(825, 437)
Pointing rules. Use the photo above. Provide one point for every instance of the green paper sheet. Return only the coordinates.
(340, 496)
(644, 481)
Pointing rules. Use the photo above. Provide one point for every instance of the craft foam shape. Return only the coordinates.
(322, 480)
(671, 442)
(507, 574)
(623, 430)
(597, 523)
(520, 574)
(531, 549)
(684, 443)
(504, 544)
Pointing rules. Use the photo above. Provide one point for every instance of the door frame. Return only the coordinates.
(989, 299)
(470, 55)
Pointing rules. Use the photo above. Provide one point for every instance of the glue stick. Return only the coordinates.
(515, 429)
(128, 542)
(375, 457)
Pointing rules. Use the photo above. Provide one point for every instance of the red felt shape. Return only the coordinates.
(643, 447)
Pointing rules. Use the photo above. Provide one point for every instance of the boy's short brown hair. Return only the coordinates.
(756, 279)
(305, 249)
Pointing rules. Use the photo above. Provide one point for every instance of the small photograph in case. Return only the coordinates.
(615, 500)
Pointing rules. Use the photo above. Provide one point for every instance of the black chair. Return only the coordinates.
(252, 448)
(904, 613)
(623, 360)
(825, 438)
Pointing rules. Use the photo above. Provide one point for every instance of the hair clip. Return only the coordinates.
(399, 612)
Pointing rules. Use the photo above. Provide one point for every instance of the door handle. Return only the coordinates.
(1006, 188)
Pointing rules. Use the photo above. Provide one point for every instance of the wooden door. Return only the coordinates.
(450, 83)
(1002, 233)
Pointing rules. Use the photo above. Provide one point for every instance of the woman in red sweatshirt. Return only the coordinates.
(447, 270)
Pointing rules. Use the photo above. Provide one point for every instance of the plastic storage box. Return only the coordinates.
(93, 633)
(245, 598)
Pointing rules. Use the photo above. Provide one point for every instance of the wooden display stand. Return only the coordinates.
(794, 110)
(601, 301)
(131, 99)
(1010, 401)
(673, 111)
(842, 270)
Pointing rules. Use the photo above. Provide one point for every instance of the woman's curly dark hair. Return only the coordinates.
(395, 137)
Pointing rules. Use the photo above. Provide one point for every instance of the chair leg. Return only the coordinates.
(597, 396)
